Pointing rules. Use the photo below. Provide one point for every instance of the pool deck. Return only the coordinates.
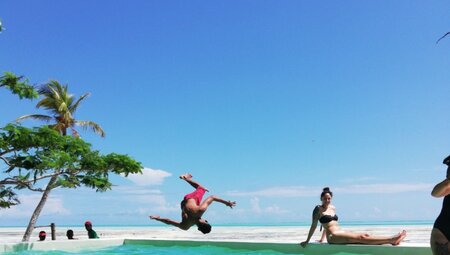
(283, 247)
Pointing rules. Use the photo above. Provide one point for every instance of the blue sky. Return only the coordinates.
(264, 102)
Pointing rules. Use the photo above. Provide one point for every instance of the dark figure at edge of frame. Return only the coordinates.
(192, 208)
(440, 235)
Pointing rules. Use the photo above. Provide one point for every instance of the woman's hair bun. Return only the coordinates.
(326, 190)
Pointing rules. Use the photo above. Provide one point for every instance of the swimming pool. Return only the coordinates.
(188, 247)
(142, 249)
(157, 250)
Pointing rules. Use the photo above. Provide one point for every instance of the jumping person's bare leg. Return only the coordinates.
(188, 178)
(166, 221)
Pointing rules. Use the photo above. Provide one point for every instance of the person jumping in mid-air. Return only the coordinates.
(192, 208)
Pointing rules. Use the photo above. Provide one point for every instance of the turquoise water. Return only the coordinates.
(158, 250)
(170, 247)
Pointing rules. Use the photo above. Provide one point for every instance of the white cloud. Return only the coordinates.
(53, 206)
(271, 210)
(385, 188)
(359, 179)
(377, 210)
(136, 190)
(303, 191)
(254, 202)
(150, 200)
(288, 191)
(149, 177)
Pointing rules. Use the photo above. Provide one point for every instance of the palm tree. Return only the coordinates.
(62, 105)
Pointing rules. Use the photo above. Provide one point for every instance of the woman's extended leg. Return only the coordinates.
(354, 238)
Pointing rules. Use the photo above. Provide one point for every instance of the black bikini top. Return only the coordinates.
(328, 218)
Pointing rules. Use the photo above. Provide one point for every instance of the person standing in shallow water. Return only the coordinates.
(42, 235)
(91, 233)
(326, 215)
(192, 208)
(440, 234)
(69, 234)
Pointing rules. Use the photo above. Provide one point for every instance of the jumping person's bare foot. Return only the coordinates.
(399, 238)
(186, 176)
(154, 217)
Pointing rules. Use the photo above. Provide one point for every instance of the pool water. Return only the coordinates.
(159, 247)
(158, 250)
(177, 250)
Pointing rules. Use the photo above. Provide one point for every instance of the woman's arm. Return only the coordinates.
(441, 189)
(315, 219)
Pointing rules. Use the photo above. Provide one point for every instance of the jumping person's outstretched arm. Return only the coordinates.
(211, 199)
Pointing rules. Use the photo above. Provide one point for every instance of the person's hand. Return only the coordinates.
(154, 217)
(231, 203)
(304, 244)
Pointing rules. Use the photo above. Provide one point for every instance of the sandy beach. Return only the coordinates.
(289, 234)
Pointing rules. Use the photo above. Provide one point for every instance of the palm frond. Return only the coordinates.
(90, 124)
(442, 37)
(47, 89)
(57, 100)
(73, 108)
(36, 117)
(62, 107)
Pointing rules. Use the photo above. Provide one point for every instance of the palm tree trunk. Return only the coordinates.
(37, 211)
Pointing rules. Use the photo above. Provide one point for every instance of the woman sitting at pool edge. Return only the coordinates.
(326, 215)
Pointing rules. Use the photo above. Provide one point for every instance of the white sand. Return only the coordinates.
(416, 234)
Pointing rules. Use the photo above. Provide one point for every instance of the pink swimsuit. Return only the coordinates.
(197, 195)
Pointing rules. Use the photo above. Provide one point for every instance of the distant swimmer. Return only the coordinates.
(192, 208)
(91, 233)
(440, 235)
(326, 215)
